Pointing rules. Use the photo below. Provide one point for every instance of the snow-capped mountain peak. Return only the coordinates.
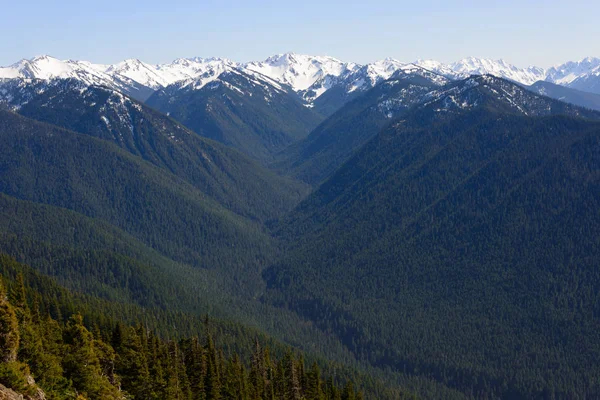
(568, 72)
(499, 68)
(309, 76)
(299, 71)
(138, 71)
(47, 67)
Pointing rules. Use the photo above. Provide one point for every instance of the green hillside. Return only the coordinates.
(464, 249)
(240, 110)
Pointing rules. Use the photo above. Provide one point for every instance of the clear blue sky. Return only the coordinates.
(522, 32)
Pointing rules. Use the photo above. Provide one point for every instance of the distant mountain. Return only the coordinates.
(298, 71)
(222, 174)
(310, 76)
(49, 68)
(160, 76)
(132, 77)
(567, 73)
(240, 108)
(567, 94)
(458, 242)
(481, 66)
(330, 93)
(45, 164)
(317, 156)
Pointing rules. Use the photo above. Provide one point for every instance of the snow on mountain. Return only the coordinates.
(139, 71)
(494, 93)
(435, 66)
(309, 76)
(371, 74)
(481, 66)
(188, 68)
(569, 72)
(363, 78)
(14, 93)
(46, 67)
(300, 71)
(233, 77)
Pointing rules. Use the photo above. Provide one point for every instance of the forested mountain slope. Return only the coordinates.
(60, 345)
(107, 223)
(239, 108)
(221, 173)
(568, 95)
(316, 157)
(461, 243)
(45, 164)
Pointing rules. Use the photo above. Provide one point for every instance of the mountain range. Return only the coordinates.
(310, 76)
(424, 230)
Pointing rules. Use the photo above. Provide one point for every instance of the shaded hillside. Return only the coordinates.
(222, 174)
(460, 244)
(316, 157)
(241, 109)
(45, 164)
(95, 354)
(568, 95)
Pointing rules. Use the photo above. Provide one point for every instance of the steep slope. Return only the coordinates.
(499, 68)
(582, 75)
(108, 222)
(222, 174)
(589, 82)
(317, 156)
(49, 68)
(239, 108)
(567, 94)
(127, 350)
(46, 164)
(299, 71)
(460, 243)
(330, 93)
(570, 71)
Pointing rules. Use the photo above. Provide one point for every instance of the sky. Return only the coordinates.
(521, 32)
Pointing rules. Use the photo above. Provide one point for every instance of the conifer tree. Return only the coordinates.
(196, 364)
(212, 381)
(156, 368)
(81, 362)
(17, 296)
(9, 329)
(348, 392)
(258, 372)
(314, 390)
(293, 382)
(132, 365)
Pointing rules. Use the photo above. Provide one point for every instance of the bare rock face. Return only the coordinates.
(39, 393)
(9, 394)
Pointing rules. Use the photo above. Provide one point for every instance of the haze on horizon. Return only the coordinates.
(523, 33)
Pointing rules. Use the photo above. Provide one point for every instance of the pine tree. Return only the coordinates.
(269, 392)
(212, 382)
(258, 372)
(17, 296)
(348, 392)
(156, 368)
(177, 387)
(9, 329)
(132, 365)
(81, 362)
(293, 384)
(314, 390)
(196, 364)
(234, 387)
